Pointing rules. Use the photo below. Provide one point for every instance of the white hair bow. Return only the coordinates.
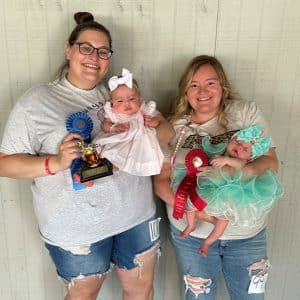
(115, 81)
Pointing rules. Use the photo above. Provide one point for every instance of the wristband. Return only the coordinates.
(47, 169)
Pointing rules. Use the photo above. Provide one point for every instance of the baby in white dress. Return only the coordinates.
(128, 137)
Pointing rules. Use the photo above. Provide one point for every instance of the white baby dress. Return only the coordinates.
(135, 151)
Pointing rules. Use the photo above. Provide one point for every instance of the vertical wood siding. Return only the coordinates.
(258, 42)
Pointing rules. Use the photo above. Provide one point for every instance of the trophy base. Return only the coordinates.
(88, 173)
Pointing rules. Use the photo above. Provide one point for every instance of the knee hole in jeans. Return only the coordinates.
(197, 285)
(142, 258)
(82, 278)
(259, 268)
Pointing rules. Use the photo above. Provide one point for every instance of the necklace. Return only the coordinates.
(182, 133)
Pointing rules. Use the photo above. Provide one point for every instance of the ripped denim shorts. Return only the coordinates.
(120, 249)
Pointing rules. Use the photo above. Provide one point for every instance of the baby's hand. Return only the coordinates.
(118, 128)
(219, 161)
(152, 122)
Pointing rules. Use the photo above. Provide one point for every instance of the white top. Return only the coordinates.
(137, 150)
(241, 114)
(67, 217)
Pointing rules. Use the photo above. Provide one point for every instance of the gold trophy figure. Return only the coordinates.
(92, 166)
(90, 155)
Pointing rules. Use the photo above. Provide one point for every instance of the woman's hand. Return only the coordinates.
(24, 165)
(68, 150)
(152, 122)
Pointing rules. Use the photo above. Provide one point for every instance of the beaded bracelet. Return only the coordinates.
(47, 169)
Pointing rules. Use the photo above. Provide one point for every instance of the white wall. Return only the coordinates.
(258, 42)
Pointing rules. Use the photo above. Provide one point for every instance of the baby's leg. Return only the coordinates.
(220, 226)
(191, 223)
(191, 217)
(203, 216)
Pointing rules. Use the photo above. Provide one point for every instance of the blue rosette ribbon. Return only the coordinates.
(82, 124)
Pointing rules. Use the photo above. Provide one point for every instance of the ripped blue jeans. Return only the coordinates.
(120, 249)
(239, 260)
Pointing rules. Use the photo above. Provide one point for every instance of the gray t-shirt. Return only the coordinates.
(68, 217)
(241, 114)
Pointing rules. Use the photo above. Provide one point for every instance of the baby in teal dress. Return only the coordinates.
(234, 198)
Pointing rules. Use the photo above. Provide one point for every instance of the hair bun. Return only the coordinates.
(83, 17)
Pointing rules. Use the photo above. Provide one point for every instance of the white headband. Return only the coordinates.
(115, 81)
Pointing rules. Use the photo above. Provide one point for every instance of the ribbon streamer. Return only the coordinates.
(195, 159)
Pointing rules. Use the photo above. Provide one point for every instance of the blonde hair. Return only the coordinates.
(182, 106)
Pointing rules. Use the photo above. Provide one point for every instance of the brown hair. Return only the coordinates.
(182, 106)
(135, 85)
(84, 21)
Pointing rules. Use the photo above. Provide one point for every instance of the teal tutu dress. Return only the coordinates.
(240, 199)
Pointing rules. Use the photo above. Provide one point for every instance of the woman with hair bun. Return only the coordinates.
(85, 229)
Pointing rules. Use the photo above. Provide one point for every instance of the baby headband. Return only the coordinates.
(252, 134)
(125, 78)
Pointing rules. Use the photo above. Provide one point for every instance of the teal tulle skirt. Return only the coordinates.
(242, 200)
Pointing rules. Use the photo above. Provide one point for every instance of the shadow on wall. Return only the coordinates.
(166, 82)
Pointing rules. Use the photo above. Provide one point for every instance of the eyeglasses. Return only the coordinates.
(88, 49)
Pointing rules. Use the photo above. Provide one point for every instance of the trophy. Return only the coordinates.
(90, 166)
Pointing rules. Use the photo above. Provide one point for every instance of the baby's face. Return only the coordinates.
(125, 100)
(239, 149)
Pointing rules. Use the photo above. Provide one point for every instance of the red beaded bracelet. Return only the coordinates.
(47, 169)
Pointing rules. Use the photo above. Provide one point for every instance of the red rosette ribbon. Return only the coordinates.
(195, 159)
